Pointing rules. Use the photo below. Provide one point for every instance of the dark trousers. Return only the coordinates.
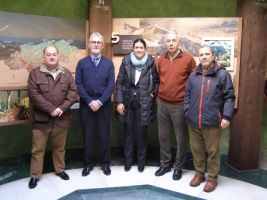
(134, 131)
(96, 123)
(172, 116)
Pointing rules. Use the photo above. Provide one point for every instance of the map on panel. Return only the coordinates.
(23, 38)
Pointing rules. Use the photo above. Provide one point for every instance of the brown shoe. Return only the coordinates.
(197, 180)
(210, 186)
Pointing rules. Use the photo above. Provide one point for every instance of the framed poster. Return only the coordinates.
(224, 50)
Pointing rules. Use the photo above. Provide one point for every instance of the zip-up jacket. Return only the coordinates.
(209, 97)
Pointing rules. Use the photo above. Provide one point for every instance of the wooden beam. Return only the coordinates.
(245, 130)
(100, 20)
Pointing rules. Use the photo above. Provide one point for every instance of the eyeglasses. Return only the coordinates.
(96, 42)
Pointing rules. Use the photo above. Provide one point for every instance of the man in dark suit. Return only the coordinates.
(95, 84)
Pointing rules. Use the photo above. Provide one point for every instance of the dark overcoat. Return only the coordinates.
(148, 84)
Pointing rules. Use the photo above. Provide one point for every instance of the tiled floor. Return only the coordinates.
(52, 187)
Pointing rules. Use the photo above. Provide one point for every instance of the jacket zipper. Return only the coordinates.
(200, 103)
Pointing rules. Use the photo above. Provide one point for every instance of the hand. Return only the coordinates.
(225, 123)
(57, 112)
(121, 108)
(94, 105)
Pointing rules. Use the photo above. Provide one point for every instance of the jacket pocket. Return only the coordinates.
(66, 116)
(44, 87)
(39, 116)
(64, 86)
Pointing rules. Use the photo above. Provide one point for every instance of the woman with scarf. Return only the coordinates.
(136, 90)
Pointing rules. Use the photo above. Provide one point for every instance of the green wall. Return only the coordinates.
(16, 140)
(124, 8)
(76, 9)
(173, 8)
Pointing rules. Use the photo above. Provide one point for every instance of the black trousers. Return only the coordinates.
(96, 124)
(133, 131)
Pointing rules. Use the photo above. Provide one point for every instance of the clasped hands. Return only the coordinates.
(57, 112)
(95, 105)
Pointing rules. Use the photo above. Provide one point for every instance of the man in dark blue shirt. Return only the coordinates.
(95, 81)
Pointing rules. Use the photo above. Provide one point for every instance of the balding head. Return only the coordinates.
(51, 57)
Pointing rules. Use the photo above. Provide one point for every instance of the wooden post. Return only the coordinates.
(100, 20)
(245, 127)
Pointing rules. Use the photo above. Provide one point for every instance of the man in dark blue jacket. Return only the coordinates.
(209, 106)
(95, 81)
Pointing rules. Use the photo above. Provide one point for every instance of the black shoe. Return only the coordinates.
(63, 175)
(86, 170)
(106, 169)
(162, 170)
(33, 183)
(141, 168)
(177, 174)
(127, 168)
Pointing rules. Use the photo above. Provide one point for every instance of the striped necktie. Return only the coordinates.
(95, 60)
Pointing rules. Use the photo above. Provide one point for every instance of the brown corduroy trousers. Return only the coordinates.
(39, 140)
(202, 140)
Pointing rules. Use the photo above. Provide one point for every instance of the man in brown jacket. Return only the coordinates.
(52, 91)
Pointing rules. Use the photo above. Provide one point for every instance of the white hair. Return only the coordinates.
(96, 34)
(173, 32)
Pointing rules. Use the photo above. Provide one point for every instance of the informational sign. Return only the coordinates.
(125, 44)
